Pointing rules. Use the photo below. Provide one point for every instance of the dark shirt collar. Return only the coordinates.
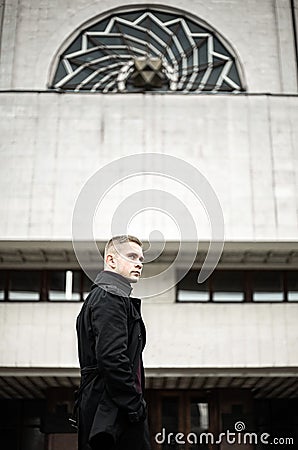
(113, 282)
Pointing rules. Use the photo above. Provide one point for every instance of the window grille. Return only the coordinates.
(148, 50)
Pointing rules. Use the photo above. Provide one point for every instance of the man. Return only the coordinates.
(111, 338)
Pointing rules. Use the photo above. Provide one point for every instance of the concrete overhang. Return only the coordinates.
(60, 254)
(267, 382)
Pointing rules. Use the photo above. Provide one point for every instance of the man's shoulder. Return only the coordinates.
(100, 294)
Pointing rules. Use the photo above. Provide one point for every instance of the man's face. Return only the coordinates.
(128, 261)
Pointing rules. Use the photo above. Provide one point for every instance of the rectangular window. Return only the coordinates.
(190, 290)
(199, 422)
(24, 285)
(239, 286)
(267, 286)
(64, 285)
(180, 419)
(228, 286)
(221, 286)
(292, 286)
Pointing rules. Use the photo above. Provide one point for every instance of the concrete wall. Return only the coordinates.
(244, 145)
(260, 31)
(192, 335)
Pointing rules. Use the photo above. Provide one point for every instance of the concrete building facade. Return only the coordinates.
(221, 353)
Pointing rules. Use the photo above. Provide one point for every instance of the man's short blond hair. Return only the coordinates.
(122, 239)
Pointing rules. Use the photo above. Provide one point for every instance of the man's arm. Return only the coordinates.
(109, 322)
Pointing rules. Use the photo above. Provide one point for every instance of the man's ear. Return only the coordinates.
(110, 261)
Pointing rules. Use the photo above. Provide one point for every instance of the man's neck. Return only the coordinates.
(111, 279)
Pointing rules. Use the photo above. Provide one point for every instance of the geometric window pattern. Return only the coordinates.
(147, 49)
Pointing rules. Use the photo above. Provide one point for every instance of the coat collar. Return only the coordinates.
(113, 283)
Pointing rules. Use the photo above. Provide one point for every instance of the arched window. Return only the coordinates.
(148, 49)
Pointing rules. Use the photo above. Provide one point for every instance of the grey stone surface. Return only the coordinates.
(244, 145)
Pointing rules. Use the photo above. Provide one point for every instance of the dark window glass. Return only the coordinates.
(24, 285)
(219, 48)
(292, 283)
(233, 74)
(199, 422)
(2, 284)
(214, 76)
(170, 414)
(32, 437)
(99, 26)
(76, 285)
(190, 290)
(20, 424)
(164, 17)
(228, 286)
(64, 285)
(267, 286)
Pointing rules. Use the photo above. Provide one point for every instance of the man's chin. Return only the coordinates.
(133, 278)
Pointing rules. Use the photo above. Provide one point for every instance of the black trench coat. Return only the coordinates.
(111, 338)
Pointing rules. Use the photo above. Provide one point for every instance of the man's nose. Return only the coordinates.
(139, 264)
